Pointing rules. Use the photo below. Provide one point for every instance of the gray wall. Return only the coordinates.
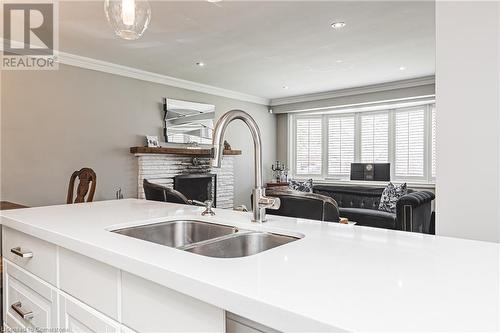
(55, 122)
(468, 120)
(282, 137)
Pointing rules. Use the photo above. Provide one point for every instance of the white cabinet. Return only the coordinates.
(29, 303)
(33, 254)
(77, 317)
(95, 297)
(150, 307)
(90, 281)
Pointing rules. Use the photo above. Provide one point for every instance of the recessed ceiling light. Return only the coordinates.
(285, 87)
(338, 25)
(339, 61)
(200, 64)
(214, 1)
(402, 68)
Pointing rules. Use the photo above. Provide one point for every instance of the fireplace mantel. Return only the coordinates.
(179, 151)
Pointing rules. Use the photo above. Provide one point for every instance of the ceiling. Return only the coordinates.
(261, 47)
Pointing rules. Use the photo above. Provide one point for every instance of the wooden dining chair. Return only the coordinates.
(86, 176)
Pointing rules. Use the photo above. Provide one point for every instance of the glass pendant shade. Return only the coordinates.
(128, 18)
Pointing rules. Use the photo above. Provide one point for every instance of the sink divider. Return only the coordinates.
(237, 233)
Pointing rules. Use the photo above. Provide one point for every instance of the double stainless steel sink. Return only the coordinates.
(208, 239)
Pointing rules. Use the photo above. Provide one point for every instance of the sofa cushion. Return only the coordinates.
(353, 196)
(392, 193)
(306, 186)
(369, 217)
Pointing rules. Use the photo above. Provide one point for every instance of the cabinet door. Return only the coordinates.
(100, 287)
(77, 317)
(29, 303)
(30, 253)
(150, 307)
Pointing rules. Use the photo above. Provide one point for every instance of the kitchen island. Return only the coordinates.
(334, 278)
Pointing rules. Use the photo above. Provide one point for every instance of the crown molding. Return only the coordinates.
(112, 68)
(355, 91)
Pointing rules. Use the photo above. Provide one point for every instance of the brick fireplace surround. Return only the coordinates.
(160, 165)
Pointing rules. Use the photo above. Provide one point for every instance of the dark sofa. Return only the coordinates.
(304, 205)
(360, 204)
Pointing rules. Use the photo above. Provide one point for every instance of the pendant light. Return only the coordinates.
(128, 18)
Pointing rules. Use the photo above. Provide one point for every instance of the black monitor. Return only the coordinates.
(371, 171)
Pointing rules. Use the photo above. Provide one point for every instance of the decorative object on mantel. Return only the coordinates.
(188, 122)
(152, 141)
(128, 18)
(184, 151)
(227, 146)
(280, 171)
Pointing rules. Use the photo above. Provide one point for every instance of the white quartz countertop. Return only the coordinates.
(336, 278)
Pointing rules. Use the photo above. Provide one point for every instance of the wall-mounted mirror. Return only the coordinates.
(188, 122)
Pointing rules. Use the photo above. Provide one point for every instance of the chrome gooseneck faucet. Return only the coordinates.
(260, 201)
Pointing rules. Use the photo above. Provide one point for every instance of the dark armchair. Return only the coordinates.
(158, 192)
(304, 205)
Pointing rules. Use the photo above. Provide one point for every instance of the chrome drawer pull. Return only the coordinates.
(24, 314)
(23, 254)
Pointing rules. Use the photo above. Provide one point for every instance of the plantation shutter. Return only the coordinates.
(308, 146)
(409, 143)
(340, 144)
(433, 149)
(375, 138)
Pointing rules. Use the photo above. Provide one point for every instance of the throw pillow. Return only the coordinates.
(306, 186)
(390, 196)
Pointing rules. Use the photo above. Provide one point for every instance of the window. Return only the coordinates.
(375, 138)
(433, 140)
(409, 145)
(325, 145)
(309, 146)
(340, 144)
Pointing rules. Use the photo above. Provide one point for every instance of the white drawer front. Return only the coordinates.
(43, 260)
(77, 317)
(149, 307)
(90, 281)
(28, 296)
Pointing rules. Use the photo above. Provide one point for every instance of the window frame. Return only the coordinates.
(427, 177)
(294, 146)
(359, 132)
(326, 121)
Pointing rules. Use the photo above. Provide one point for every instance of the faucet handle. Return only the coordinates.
(270, 202)
(208, 209)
